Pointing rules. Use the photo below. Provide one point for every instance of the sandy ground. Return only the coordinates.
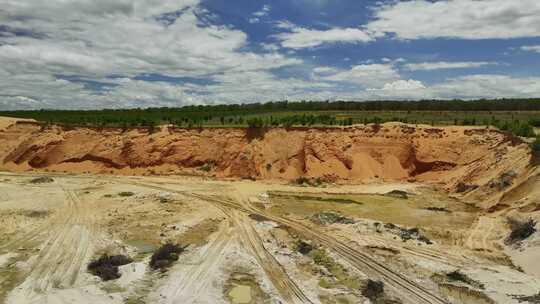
(241, 236)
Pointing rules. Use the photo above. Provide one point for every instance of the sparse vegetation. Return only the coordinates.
(165, 256)
(311, 182)
(520, 230)
(340, 274)
(505, 180)
(438, 209)
(329, 217)
(106, 267)
(331, 199)
(408, 234)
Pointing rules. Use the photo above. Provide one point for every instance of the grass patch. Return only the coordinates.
(340, 273)
(197, 235)
(317, 198)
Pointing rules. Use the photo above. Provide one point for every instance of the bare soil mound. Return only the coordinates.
(467, 157)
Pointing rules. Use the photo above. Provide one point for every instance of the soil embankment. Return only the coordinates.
(465, 159)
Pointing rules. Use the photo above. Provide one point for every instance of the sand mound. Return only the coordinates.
(393, 151)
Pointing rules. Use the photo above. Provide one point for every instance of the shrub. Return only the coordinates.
(536, 144)
(373, 290)
(303, 247)
(462, 187)
(42, 180)
(458, 276)
(106, 267)
(126, 193)
(398, 194)
(165, 256)
(520, 230)
(320, 257)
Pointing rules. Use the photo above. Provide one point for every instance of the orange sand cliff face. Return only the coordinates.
(361, 153)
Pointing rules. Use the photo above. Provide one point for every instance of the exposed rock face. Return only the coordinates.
(392, 151)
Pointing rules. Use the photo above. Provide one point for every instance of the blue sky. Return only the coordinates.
(144, 53)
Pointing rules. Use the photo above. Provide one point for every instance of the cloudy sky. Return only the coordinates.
(142, 53)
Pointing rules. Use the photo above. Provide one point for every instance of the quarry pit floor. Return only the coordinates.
(249, 242)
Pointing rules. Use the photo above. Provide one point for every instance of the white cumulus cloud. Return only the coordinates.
(300, 37)
(401, 85)
(465, 19)
(366, 75)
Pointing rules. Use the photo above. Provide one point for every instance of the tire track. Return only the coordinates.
(287, 288)
(61, 258)
(193, 282)
(409, 291)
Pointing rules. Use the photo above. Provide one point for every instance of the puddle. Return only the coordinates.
(243, 288)
(142, 247)
(240, 294)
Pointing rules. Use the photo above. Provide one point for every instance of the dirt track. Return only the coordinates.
(86, 216)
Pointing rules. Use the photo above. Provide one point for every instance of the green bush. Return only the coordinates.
(522, 129)
(536, 144)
